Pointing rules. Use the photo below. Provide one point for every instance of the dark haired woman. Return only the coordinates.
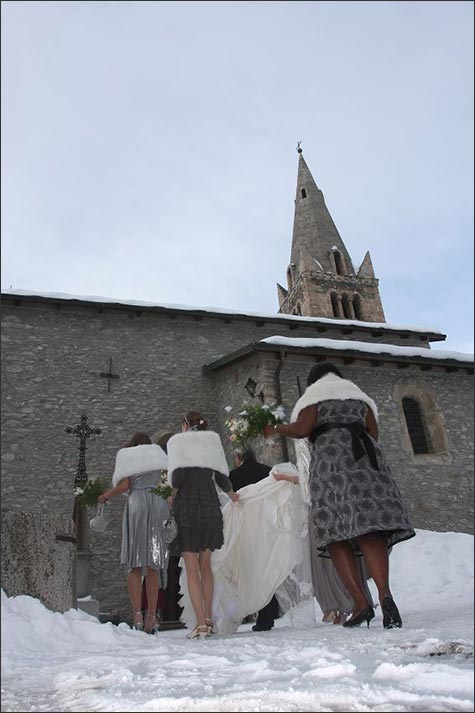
(144, 552)
(356, 506)
(196, 465)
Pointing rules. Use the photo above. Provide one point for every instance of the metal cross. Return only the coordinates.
(299, 150)
(109, 375)
(82, 431)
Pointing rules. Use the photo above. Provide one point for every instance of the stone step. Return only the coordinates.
(88, 605)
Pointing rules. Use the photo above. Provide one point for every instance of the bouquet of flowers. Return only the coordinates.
(163, 489)
(90, 492)
(251, 420)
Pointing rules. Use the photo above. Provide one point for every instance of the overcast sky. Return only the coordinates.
(148, 149)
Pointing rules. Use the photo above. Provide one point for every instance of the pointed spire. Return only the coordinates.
(315, 235)
(321, 278)
(366, 268)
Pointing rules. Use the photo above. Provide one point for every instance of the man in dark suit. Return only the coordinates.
(248, 470)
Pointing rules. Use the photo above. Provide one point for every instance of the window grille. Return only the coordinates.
(415, 426)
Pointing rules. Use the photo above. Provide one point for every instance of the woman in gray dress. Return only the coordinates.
(356, 506)
(144, 551)
(332, 597)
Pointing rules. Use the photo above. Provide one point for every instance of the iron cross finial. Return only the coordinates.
(299, 150)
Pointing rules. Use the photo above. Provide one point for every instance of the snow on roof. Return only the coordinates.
(219, 310)
(349, 344)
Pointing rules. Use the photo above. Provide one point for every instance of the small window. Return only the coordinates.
(415, 426)
(357, 307)
(334, 299)
(338, 262)
(346, 307)
(303, 193)
(290, 281)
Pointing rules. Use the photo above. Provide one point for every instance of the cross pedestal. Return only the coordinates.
(81, 520)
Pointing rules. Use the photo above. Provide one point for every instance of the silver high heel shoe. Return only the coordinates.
(152, 626)
(138, 625)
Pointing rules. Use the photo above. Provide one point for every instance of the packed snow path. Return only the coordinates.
(70, 662)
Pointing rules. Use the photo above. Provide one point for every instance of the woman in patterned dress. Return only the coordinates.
(356, 506)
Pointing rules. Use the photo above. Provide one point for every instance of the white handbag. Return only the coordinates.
(98, 523)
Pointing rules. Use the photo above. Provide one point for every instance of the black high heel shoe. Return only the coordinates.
(391, 617)
(364, 615)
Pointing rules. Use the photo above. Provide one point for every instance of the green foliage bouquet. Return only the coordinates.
(89, 494)
(163, 489)
(251, 420)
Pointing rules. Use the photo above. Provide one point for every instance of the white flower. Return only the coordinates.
(78, 491)
(228, 408)
(279, 412)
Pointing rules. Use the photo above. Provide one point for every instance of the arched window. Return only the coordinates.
(357, 307)
(303, 193)
(346, 307)
(338, 262)
(415, 426)
(334, 299)
(423, 431)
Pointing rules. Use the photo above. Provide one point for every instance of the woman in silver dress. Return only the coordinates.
(356, 506)
(144, 551)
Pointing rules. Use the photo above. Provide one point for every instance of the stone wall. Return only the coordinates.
(52, 358)
(438, 487)
(38, 557)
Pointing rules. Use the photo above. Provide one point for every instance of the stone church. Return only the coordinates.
(130, 366)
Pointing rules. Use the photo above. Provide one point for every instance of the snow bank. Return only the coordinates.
(433, 570)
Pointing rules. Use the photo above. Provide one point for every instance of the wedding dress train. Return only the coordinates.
(264, 553)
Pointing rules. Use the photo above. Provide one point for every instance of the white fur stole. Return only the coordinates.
(137, 460)
(329, 387)
(196, 449)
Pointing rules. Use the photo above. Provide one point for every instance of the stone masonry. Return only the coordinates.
(53, 354)
(38, 557)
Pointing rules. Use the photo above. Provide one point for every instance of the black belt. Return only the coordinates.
(361, 441)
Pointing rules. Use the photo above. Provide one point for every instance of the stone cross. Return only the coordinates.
(82, 431)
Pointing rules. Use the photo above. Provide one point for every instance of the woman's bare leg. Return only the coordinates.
(375, 554)
(207, 582)
(344, 560)
(134, 582)
(152, 584)
(195, 590)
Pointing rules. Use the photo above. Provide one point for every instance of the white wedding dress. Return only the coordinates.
(265, 552)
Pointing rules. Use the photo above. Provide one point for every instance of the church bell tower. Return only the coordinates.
(321, 279)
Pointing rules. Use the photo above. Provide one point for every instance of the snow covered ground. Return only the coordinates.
(70, 662)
